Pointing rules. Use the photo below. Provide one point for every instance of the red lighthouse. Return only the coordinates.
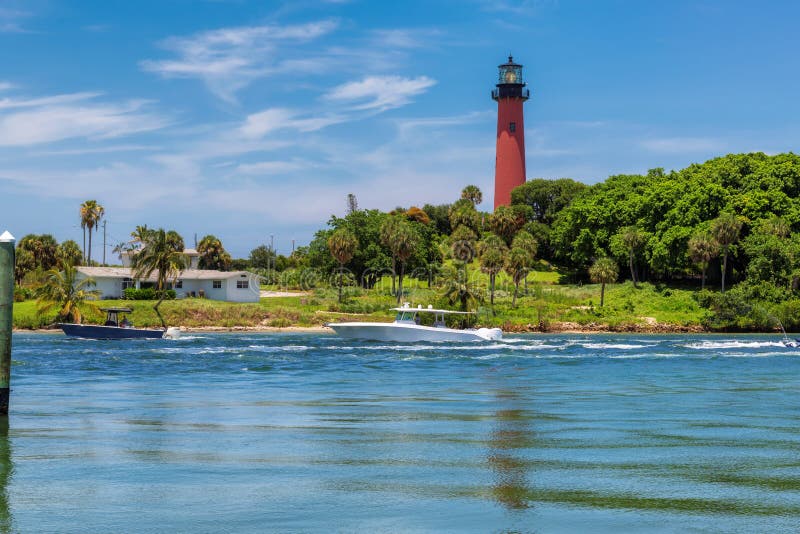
(509, 168)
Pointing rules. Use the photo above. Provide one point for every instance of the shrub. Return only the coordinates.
(22, 294)
(147, 293)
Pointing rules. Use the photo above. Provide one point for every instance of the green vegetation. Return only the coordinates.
(713, 246)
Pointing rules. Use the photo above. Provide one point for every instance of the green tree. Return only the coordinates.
(440, 217)
(458, 289)
(63, 290)
(492, 255)
(530, 245)
(402, 241)
(159, 254)
(43, 248)
(702, 249)
(506, 222)
(726, 229)
(604, 271)
(517, 264)
(141, 233)
(91, 214)
(388, 228)
(175, 241)
(628, 242)
(212, 254)
(24, 262)
(262, 257)
(473, 194)
(546, 198)
(463, 213)
(69, 253)
(342, 243)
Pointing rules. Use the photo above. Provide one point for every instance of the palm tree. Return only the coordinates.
(492, 252)
(632, 239)
(91, 215)
(342, 243)
(517, 264)
(458, 288)
(528, 243)
(402, 242)
(69, 253)
(139, 235)
(473, 194)
(212, 254)
(725, 230)
(85, 213)
(505, 222)
(604, 271)
(702, 249)
(463, 213)
(387, 231)
(62, 290)
(159, 255)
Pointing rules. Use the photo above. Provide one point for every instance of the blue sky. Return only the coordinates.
(251, 119)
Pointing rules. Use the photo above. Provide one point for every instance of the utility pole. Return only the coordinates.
(6, 316)
(104, 242)
(272, 249)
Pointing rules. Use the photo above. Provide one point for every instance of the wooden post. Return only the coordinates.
(6, 316)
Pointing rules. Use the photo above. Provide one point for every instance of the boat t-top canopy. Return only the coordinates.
(117, 310)
(430, 309)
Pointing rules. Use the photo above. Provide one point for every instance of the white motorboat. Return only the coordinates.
(407, 327)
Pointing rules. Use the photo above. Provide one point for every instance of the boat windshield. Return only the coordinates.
(406, 317)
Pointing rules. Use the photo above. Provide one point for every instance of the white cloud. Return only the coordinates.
(9, 103)
(71, 116)
(272, 167)
(677, 145)
(5, 86)
(380, 92)
(259, 124)
(229, 59)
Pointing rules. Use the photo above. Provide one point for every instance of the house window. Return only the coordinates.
(179, 284)
(242, 284)
(512, 127)
(216, 284)
(127, 282)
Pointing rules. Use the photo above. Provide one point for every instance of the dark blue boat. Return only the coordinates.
(112, 329)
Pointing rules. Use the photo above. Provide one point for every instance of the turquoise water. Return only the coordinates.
(312, 433)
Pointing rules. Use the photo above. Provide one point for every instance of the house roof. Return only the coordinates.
(188, 274)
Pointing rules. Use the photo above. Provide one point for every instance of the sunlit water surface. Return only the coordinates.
(312, 433)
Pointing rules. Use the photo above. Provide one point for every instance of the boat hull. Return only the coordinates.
(411, 333)
(88, 331)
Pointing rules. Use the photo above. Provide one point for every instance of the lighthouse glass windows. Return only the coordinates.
(512, 127)
(510, 74)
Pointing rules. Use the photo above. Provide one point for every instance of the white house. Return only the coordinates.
(234, 286)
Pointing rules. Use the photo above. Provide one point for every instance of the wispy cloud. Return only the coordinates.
(10, 20)
(229, 59)
(380, 92)
(257, 125)
(677, 145)
(273, 167)
(403, 37)
(78, 115)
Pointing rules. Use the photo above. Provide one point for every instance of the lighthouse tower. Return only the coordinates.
(509, 169)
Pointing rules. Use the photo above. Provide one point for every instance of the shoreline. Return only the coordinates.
(552, 328)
